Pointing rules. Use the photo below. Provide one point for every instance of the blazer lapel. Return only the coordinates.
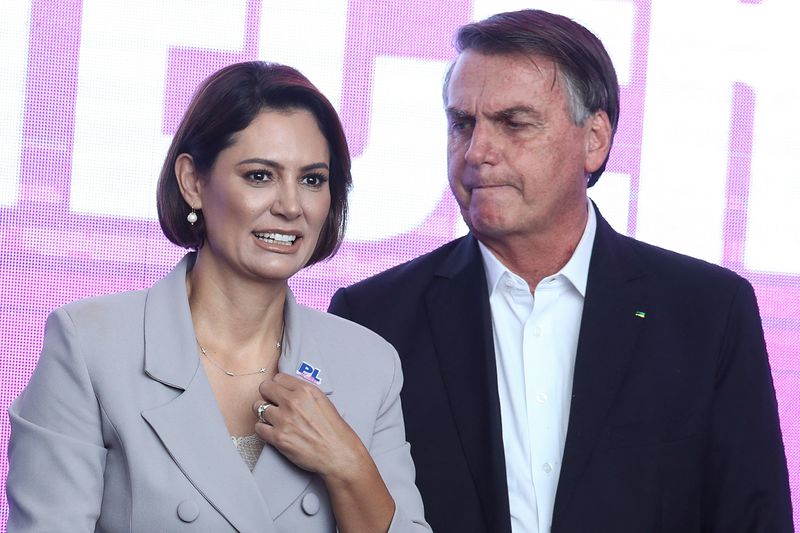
(191, 426)
(458, 310)
(280, 481)
(608, 336)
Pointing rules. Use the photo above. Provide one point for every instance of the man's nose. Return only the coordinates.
(483, 146)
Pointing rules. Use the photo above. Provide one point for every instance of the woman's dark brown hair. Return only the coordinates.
(226, 103)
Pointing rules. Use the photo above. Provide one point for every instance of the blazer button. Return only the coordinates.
(188, 511)
(310, 504)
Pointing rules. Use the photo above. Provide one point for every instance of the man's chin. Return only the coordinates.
(489, 228)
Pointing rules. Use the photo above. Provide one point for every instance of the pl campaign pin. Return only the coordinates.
(309, 373)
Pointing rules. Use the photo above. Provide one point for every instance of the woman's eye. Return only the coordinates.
(259, 176)
(314, 180)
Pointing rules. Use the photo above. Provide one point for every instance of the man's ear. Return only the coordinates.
(598, 140)
(189, 181)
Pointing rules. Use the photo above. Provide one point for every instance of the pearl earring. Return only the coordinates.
(192, 217)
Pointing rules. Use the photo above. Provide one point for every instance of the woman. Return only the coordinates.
(213, 400)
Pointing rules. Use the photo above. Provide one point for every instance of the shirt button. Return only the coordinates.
(537, 331)
(547, 468)
(509, 283)
(541, 397)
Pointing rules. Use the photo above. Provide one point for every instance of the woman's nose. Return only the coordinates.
(287, 201)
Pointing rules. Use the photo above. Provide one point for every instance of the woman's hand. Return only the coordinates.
(304, 426)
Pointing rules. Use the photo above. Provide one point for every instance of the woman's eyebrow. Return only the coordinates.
(279, 166)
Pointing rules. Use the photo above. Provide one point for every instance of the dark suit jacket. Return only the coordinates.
(673, 424)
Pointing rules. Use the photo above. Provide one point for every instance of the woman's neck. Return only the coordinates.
(235, 318)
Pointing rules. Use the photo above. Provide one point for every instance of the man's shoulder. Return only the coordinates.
(667, 264)
(415, 272)
(332, 330)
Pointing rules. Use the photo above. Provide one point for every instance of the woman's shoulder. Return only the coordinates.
(333, 328)
(362, 367)
(105, 309)
(354, 350)
(121, 307)
(97, 329)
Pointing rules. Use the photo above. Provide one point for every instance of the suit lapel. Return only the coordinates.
(280, 481)
(608, 336)
(458, 310)
(193, 431)
(191, 426)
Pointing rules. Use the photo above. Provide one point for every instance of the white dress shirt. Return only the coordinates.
(535, 340)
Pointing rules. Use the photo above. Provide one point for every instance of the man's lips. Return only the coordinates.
(490, 186)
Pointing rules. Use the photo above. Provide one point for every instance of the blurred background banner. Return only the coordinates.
(705, 162)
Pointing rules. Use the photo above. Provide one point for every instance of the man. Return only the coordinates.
(560, 376)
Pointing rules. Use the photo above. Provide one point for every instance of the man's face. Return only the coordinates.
(517, 163)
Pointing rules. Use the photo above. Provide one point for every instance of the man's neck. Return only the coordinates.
(534, 256)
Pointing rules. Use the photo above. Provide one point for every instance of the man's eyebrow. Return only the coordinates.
(516, 112)
(454, 113)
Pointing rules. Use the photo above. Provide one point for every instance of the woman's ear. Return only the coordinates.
(189, 181)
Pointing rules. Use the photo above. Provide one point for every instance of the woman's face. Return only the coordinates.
(267, 196)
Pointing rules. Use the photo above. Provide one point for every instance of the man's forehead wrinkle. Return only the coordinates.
(480, 89)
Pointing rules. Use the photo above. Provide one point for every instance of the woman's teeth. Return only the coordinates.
(277, 238)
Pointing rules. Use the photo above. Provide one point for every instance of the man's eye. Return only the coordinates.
(459, 125)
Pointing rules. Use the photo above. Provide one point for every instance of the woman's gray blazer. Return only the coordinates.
(119, 430)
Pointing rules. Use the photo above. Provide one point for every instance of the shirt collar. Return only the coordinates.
(493, 267)
(576, 270)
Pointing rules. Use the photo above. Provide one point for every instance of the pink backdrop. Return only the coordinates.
(705, 160)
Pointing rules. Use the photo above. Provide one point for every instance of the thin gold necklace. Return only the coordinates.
(231, 373)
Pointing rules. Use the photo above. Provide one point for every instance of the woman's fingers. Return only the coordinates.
(290, 382)
(299, 420)
(260, 409)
